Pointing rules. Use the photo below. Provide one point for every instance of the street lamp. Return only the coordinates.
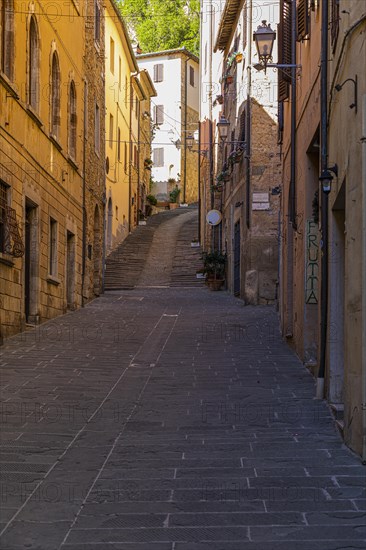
(326, 178)
(190, 141)
(264, 38)
(223, 128)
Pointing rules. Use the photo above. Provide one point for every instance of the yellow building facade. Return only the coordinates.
(49, 131)
(41, 113)
(145, 136)
(120, 65)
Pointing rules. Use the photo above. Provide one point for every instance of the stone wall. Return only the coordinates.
(95, 160)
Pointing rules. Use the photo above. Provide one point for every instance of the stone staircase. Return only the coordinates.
(187, 260)
(125, 265)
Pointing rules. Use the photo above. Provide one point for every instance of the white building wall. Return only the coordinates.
(169, 95)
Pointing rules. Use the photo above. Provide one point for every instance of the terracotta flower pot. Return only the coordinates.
(215, 284)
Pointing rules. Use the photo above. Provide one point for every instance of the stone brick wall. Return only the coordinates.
(95, 161)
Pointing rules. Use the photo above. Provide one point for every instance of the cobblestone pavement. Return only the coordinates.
(170, 419)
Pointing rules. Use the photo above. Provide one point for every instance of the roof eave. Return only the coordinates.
(228, 24)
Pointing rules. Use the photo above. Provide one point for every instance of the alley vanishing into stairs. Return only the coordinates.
(163, 416)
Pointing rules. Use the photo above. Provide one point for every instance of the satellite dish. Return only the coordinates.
(214, 217)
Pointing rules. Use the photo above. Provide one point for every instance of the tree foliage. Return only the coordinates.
(163, 24)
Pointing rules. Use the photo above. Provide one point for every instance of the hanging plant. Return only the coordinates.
(222, 176)
(239, 57)
(148, 164)
(217, 187)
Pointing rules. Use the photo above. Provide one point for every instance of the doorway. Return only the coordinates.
(31, 264)
(237, 258)
(97, 252)
(337, 255)
(109, 224)
(70, 270)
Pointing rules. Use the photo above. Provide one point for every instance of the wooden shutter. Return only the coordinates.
(158, 72)
(284, 49)
(191, 76)
(334, 23)
(159, 114)
(302, 20)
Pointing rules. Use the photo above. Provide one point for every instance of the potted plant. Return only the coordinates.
(151, 201)
(173, 196)
(214, 269)
(239, 57)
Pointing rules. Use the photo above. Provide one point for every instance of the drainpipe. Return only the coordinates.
(130, 164)
(138, 106)
(199, 182)
(185, 130)
(324, 201)
(249, 116)
(293, 118)
(210, 128)
(83, 261)
(363, 380)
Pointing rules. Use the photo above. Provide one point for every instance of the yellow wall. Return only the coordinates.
(37, 168)
(118, 83)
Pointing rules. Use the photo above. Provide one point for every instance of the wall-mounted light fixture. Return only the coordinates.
(339, 87)
(326, 178)
(264, 38)
(223, 128)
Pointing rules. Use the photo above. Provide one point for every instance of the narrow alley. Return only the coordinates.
(163, 416)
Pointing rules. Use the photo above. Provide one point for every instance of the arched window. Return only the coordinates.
(33, 65)
(7, 38)
(55, 96)
(72, 120)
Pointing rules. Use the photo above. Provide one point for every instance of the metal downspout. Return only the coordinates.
(185, 130)
(325, 200)
(83, 260)
(363, 379)
(249, 116)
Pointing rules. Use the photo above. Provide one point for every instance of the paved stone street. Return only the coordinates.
(170, 419)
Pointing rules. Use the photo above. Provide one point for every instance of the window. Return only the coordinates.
(302, 20)
(136, 107)
(111, 55)
(119, 73)
(135, 156)
(97, 128)
(96, 21)
(206, 58)
(72, 120)
(125, 158)
(7, 38)
(159, 72)
(245, 25)
(126, 90)
(242, 130)
(119, 144)
(55, 96)
(53, 248)
(158, 157)
(4, 238)
(158, 114)
(334, 22)
(284, 48)
(33, 65)
(111, 132)
(191, 76)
